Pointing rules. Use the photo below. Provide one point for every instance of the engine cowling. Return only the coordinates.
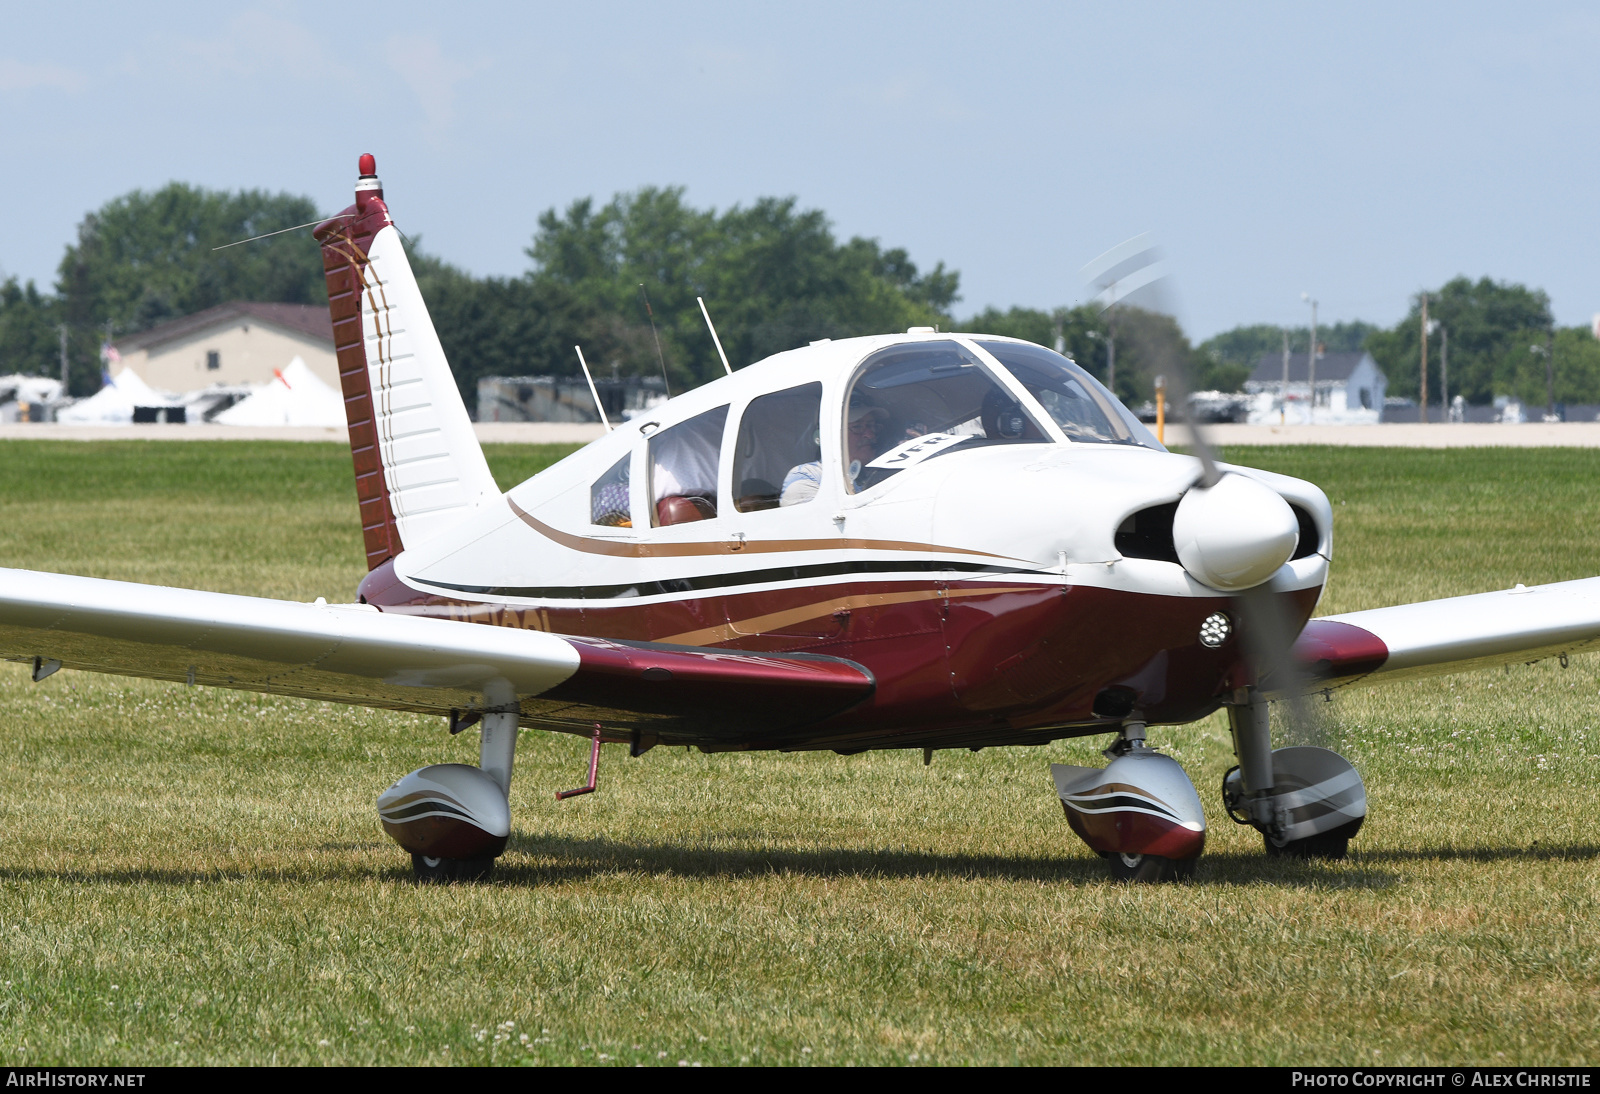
(447, 811)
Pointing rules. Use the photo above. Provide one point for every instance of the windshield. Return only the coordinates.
(912, 402)
(1083, 409)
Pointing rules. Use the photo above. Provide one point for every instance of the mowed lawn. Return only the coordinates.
(197, 876)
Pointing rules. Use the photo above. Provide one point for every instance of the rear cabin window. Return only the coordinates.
(609, 497)
(776, 460)
(913, 402)
(683, 469)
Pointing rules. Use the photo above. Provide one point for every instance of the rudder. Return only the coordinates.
(418, 465)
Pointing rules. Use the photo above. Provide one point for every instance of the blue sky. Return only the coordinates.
(1361, 152)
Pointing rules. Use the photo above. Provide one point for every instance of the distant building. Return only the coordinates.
(565, 398)
(1350, 388)
(238, 343)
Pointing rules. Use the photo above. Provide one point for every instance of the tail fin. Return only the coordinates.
(419, 467)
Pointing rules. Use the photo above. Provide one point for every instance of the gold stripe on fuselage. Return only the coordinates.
(726, 547)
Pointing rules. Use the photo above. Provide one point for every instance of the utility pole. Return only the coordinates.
(1311, 362)
(1444, 372)
(1283, 396)
(1111, 351)
(1422, 404)
(62, 329)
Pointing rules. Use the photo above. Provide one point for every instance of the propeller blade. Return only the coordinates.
(1135, 293)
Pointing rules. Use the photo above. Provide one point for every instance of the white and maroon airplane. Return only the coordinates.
(917, 540)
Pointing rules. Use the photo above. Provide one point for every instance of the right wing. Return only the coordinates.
(352, 653)
(1434, 637)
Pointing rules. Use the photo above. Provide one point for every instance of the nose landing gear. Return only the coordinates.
(1140, 812)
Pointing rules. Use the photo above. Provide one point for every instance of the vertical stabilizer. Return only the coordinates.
(418, 465)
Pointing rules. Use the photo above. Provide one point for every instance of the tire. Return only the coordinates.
(1150, 869)
(443, 871)
(1331, 846)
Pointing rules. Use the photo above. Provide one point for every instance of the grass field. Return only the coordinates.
(195, 876)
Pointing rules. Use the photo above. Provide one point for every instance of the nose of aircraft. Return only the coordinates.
(1235, 534)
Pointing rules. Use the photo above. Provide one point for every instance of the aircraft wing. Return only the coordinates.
(351, 653)
(1435, 637)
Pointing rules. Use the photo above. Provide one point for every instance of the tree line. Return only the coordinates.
(621, 279)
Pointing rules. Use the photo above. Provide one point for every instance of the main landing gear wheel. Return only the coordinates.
(442, 871)
(1150, 868)
(1332, 845)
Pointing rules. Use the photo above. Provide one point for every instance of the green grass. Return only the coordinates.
(198, 876)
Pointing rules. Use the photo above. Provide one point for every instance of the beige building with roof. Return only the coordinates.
(238, 343)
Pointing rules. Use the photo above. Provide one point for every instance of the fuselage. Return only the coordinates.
(1008, 577)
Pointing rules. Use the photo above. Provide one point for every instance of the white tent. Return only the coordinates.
(114, 403)
(294, 396)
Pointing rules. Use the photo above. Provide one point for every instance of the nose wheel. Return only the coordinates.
(429, 870)
(1150, 868)
(1140, 813)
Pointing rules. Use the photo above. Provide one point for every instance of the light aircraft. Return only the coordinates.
(912, 541)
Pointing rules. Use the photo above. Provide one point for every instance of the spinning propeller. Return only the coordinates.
(1234, 534)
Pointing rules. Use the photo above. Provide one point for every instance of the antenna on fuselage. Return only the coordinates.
(587, 375)
(710, 326)
(652, 317)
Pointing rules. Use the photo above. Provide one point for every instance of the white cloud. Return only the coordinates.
(22, 76)
(430, 74)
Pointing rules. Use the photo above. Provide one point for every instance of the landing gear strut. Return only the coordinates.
(1306, 802)
(455, 819)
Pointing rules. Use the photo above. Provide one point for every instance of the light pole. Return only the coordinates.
(1547, 351)
(1311, 362)
(1422, 403)
(1283, 393)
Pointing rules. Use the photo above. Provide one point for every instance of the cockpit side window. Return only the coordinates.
(913, 402)
(1083, 409)
(776, 460)
(609, 499)
(683, 469)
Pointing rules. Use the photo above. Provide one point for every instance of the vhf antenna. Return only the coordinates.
(587, 375)
(712, 328)
(652, 316)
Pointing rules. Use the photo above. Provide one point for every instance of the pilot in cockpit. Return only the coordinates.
(802, 481)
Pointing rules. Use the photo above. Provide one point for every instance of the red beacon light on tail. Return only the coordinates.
(368, 185)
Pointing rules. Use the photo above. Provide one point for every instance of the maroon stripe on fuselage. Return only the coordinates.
(955, 662)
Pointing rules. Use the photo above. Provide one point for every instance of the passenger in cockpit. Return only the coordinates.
(802, 481)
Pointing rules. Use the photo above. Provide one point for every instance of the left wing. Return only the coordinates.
(352, 653)
(1443, 636)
